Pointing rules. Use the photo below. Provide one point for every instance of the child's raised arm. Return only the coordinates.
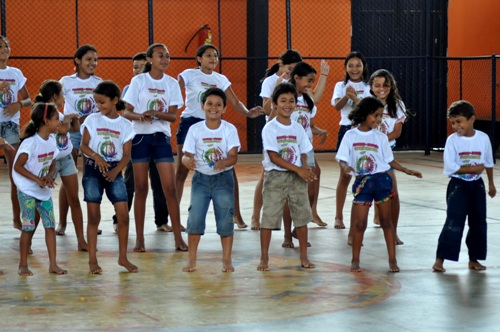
(394, 164)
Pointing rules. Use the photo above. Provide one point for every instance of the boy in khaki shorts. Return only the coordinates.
(286, 174)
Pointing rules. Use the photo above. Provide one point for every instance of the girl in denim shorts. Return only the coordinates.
(366, 154)
(106, 142)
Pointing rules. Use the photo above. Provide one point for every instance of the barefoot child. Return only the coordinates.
(366, 154)
(106, 142)
(286, 174)
(34, 166)
(211, 149)
(466, 154)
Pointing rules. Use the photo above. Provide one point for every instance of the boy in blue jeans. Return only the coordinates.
(211, 150)
(286, 173)
(466, 154)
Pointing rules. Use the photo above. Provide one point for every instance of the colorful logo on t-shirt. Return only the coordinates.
(212, 156)
(157, 105)
(7, 96)
(365, 165)
(205, 87)
(46, 160)
(62, 142)
(288, 154)
(467, 159)
(84, 106)
(107, 150)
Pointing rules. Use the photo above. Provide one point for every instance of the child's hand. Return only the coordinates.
(190, 163)
(323, 134)
(111, 175)
(145, 118)
(100, 163)
(349, 171)
(69, 117)
(413, 173)
(5, 145)
(307, 174)
(220, 165)
(325, 68)
(49, 181)
(351, 92)
(255, 112)
(492, 191)
(284, 76)
(11, 109)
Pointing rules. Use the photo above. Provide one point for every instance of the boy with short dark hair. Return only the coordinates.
(286, 173)
(211, 150)
(466, 154)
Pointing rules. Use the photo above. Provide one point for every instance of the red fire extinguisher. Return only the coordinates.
(204, 36)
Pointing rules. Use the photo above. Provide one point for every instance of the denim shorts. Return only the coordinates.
(65, 166)
(10, 132)
(278, 187)
(342, 130)
(367, 188)
(184, 126)
(76, 139)
(311, 161)
(218, 188)
(156, 146)
(94, 184)
(29, 205)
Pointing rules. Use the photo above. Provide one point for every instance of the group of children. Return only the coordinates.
(372, 116)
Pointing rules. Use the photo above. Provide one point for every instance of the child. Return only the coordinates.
(302, 77)
(280, 73)
(51, 91)
(153, 99)
(196, 81)
(366, 153)
(34, 166)
(346, 95)
(159, 202)
(383, 86)
(106, 142)
(466, 154)
(77, 91)
(286, 174)
(12, 85)
(211, 150)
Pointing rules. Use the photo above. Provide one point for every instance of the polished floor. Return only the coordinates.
(329, 298)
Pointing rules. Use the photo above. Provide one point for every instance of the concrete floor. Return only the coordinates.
(329, 298)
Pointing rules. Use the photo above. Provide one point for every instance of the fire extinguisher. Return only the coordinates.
(204, 36)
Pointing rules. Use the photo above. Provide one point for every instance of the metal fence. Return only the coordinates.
(251, 34)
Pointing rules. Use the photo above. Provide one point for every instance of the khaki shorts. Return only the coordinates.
(278, 187)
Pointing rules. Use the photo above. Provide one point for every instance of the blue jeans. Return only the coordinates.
(94, 184)
(465, 199)
(218, 188)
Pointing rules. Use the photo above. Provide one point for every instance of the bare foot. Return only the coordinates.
(438, 265)
(227, 266)
(239, 222)
(287, 244)
(115, 228)
(57, 270)
(255, 225)
(181, 246)
(128, 265)
(398, 240)
(190, 267)
(294, 234)
(30, 252)
(139, 246)
(263, 266)
(164, 228)
(61, 230)
(83, 246)
(355, 267)
(306, 264)
(317, 220)
(17, 225)
(95, 268)
(339, 224)
(24, 271)
(475, 265)
(376, 222)
(393, 267)
(349, 240)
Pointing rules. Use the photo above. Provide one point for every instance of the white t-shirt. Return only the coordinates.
(63, 142)
(210, 145)
(388, 123)
(289, 142)
(302, 115)
(268, 85)
(40, 153)
(467, 151)
(145, 93)
(196, 83)
(16, 80)
(362, 90)
(367, 152)
(107, 136)
(78, 94)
